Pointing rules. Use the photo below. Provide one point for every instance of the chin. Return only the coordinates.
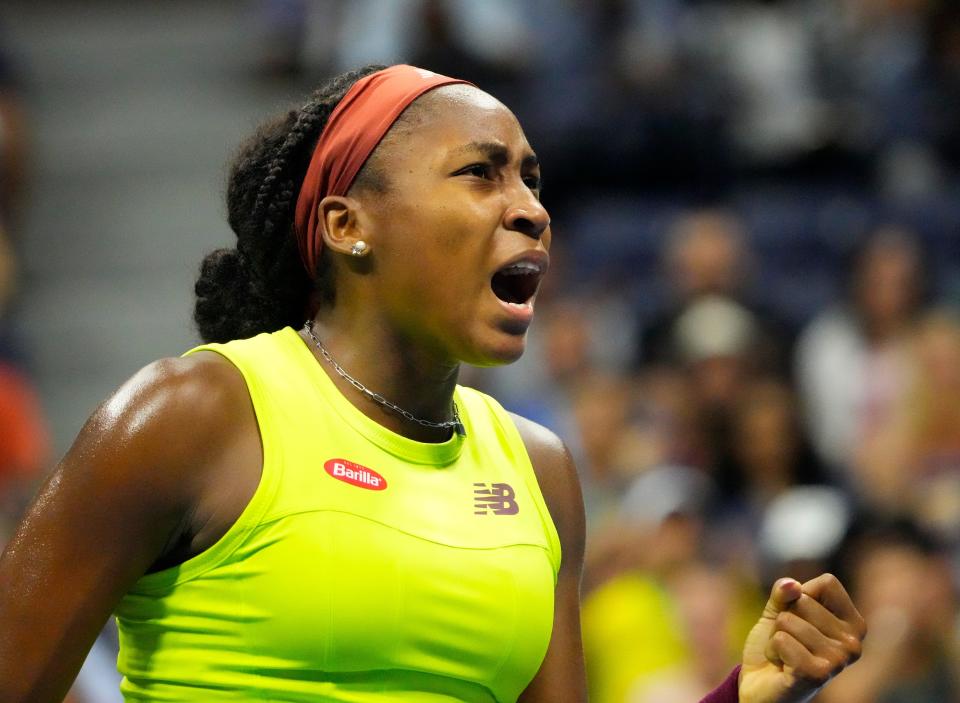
(506, 349)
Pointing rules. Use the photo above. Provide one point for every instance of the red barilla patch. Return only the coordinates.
(355, 474)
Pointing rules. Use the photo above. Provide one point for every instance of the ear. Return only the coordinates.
(341, 223)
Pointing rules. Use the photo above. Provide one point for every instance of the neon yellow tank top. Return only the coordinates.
(366, 568)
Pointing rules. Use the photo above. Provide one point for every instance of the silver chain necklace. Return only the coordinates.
(455, 424)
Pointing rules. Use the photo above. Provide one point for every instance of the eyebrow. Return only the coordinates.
(497, 153)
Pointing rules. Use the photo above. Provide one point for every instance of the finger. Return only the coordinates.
(819, 617)
(813, 639)
(847, 636)
(798, 658)
(828, 590)
(784, 592)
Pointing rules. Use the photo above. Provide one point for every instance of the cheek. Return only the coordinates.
(437, 254)
(438, 227)
(436, 285)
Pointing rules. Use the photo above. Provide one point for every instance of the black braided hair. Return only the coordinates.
(261, 285)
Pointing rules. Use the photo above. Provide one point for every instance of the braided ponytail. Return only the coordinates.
(261, 285)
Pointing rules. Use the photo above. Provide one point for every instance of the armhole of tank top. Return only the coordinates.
(525, 466)
(252, 513)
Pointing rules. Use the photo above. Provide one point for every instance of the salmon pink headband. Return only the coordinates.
(355, 127)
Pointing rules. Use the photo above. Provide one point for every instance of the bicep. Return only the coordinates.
(97, 524)
(76, 552)
(561, 675)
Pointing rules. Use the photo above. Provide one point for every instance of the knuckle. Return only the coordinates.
(853, 647)
(780, 638)
(821, 670)
(838, 660)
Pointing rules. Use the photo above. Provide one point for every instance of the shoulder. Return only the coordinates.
(557, 476)
(198, 388)
(547, 451)
(169, 419)
(124, 497)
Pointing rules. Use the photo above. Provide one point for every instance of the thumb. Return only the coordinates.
(759, 649)
(784, 592)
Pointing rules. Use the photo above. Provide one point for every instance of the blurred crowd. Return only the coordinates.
(23, 436)
(749, 337)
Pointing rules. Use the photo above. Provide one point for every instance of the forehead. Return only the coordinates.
(451, 117)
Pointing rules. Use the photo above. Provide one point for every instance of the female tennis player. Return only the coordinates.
(308, 507)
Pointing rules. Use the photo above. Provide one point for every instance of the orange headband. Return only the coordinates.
(355, 127)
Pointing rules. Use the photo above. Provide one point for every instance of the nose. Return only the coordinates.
(528, 217)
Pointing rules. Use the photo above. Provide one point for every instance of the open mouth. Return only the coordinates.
(517, 283)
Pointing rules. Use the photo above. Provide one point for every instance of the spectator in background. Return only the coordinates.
(769, 457)
(769, 448)
(560, 358)
(670, 618)
(476, 40)
(901, 579)
(766, 59)
(442, 48)
(850, 361)
(706, 254)
(601, 411)
(908, 462)
(718, 341)
(653, 641)
(875, 77)
(707, 604)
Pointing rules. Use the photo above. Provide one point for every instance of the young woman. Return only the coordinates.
(307, 511)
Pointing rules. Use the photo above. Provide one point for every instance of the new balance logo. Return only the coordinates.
(497, 498)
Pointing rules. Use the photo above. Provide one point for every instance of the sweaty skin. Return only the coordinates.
(166, 465)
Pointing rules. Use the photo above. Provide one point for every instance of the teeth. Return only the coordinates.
(521, 267)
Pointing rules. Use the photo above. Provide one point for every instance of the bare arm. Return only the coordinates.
(126, 493)
(561, 676)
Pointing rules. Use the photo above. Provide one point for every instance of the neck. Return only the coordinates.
(391, 365)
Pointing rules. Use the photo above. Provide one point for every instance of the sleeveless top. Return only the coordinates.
(367, 567)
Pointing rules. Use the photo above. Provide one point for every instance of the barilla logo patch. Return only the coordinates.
(355, 475)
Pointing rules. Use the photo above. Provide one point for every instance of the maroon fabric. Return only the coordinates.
(727, 692)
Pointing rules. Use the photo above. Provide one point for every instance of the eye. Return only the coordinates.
(533, 182)
(478, 170)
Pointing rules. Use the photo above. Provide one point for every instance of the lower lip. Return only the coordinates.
(522, 312)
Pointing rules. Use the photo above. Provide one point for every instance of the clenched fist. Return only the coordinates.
(807, 635)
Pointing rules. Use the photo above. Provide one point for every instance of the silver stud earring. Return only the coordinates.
(359, 248)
